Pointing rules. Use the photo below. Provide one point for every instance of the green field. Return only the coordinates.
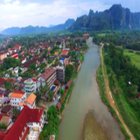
(101, 35)
(135, 57)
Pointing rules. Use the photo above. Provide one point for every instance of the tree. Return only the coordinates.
(69, 72)
(53, 124)
(132, 90)
(10, 62)
(8, 85)
(44, 89)
(50, 95)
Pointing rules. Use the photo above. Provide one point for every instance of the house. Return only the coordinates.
(65, 61)
(49, 76)
(3, 99)
(65, 52)
(3, 55)
(27, 126)
(30, 86)
(17, 48)
(14, 56)
(60, 73)
(24, 60)
(2, 81)
(17, 97)
(14, 49)
(30, 101)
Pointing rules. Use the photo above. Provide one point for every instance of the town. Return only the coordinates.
(36, 80)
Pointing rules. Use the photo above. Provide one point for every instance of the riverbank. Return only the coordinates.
(108, 99)
(101, 84)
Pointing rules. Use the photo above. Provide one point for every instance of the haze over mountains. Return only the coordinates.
(37, 29)
(115, 18)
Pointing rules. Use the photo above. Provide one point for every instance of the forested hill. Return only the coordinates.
(116, 17)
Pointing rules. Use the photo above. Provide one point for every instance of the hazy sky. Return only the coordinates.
(50, 12)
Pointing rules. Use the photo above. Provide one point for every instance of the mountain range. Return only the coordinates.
(37, 29)
(114, 18)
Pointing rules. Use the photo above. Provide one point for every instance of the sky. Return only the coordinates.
(20, 13)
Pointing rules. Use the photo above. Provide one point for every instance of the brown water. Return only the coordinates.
(85, 97)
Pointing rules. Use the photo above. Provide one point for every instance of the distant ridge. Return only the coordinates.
(115, 18)
(37, 29)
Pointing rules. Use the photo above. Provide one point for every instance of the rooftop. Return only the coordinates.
(65, 52)
(48, 73)
(17, 94)
(27, 115)
(31, 99)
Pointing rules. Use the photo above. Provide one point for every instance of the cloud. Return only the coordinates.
(40, 12)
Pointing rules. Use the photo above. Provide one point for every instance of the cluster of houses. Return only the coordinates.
(30, 120)
(12, 52)
(20, 117)
(28, 123)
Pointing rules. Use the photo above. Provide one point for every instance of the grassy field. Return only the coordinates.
(135, 57)
(101, 34)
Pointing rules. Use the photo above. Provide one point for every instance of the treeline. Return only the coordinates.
(126, 39)
(124, 79)
(123, 68)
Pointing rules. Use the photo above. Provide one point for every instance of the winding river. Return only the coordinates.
(85, 97)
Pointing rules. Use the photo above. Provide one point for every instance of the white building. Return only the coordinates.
(30, 86)
(16, 98)
(35, 129)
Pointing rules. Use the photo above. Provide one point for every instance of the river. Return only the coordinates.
(85, 97)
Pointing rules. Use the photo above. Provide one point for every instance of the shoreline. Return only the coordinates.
(105, 99)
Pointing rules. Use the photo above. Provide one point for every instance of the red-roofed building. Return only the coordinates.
(49, 76)
(2, 81)
(17, 47)
(3, 55)
(28, 125)
(65, 52)
(14, 49)
(17, 97)
(15, 56)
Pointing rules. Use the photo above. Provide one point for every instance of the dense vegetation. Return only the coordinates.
(126, 39)
(134, 57)
(52, 127)
(125, 85)
(10, 63)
